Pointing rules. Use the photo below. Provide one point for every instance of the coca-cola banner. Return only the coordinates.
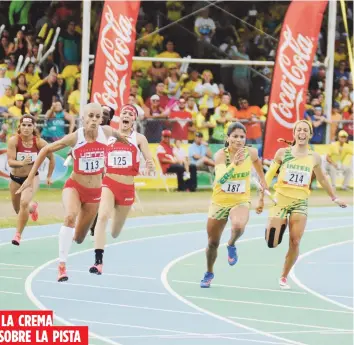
(292, 70)
(115, 50)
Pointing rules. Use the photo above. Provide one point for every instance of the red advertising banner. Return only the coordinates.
(114, 54)
(292, 70)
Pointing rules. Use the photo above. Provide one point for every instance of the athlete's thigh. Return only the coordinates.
(119, 217)
(239, 216)
(85, 218)
(297, 224)
(107, 203)
(71, 202)
(28, 193)
(15, 198)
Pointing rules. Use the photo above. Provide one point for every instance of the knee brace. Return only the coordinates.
(273, 234)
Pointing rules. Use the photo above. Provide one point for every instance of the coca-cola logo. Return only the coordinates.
(115, 44)
(295, 60)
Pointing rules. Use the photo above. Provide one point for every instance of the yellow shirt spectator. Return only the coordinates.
(69, 74)
(169, 55)
(74, 102)
(6, 101)
(142, 65)
(191, 85)
(340, 154)
(200, 122)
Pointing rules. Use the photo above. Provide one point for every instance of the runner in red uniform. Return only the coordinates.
(118, 192)
(82, 191)
(22, 150)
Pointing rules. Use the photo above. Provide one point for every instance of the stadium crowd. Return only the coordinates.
(199, 99)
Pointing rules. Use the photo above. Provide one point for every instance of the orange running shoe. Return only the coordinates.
(34, 213)
(62, 276)
(17, 239)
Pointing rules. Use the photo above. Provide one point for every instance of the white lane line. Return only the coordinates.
(29, 239)
(11, 293)
(167, 286)
(268, 304)
(286, 323)
(7, 277)
(121, 305)
(330, 263)
(133, 326)
(304, 287)
(169, 336)
(107, 274)
(340, 296)
(102, 287)
(13, 265)
(243, 287)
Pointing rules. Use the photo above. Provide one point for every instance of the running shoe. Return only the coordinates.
(96, 269)
(232, 257)
(17, 239)
(34, 211)
(62, 275)
(205, 282)
(283, 284)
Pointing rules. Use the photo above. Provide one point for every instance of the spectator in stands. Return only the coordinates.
(163, 99)
(193, 81)
(34, 104)
(200, 154)
(22, 45)
(134, 90)
(241, 75)
(157, 72)
(340, 156)
(348, 127)
(182, 158)
(172, 82)
(31, 75)
(222, 120)
(344, 100)
(230, 50)
(19, 108)
(250, 117)
(207, 91)
(226, 100)
(69, 46)
(170, 53)
(7, 46)
(55, 123)
(155, 123)
(8, 99)
(341, 71)
(48, 91)
(74, 98)
(143, 66)
(204, 27)
(319, 121)
(169, 164)
(21, 86)
(4, 81)
(204, 122)
(335, 118)
(19, 12)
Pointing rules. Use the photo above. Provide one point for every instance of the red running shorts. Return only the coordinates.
(87, 195)
(124, 194)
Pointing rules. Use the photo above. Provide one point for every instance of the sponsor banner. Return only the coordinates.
(292, 70)
(114, 54)
(60, 175)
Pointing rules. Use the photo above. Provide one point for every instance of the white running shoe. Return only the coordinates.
(283, 284)
(186, 176)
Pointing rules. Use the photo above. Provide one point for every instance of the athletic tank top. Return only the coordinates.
(236, 189)
(89, 158)
(294, 177)
(123, 159)
(22, 152)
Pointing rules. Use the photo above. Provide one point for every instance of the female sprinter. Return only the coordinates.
(231, 195)
(292, 188)
(22, 151)
(82, 191)
(118, 192)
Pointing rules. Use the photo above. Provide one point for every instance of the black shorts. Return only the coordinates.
(19, 179)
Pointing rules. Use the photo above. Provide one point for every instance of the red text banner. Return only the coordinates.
(114, 54)
(292, 70)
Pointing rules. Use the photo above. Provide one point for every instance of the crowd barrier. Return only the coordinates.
(159, 181)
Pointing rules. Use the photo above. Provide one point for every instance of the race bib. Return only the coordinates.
(91, 165)
(21, 156)
(297, 178)
(234, 187)
(120, 159)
